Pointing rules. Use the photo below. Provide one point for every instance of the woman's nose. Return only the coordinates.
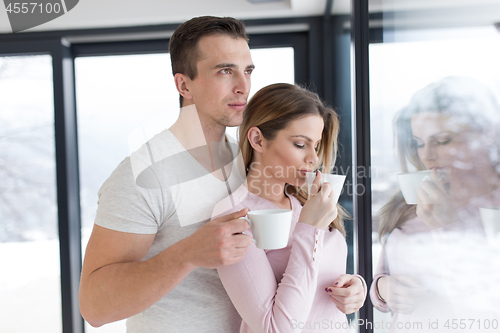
(312, 156)
(428, 152)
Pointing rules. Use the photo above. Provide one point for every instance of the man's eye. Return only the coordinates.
(225, 71)
(249, 71)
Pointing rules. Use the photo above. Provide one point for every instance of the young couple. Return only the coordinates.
(153, 253)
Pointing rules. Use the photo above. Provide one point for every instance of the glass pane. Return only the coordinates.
(123, 100)
(30, 297)
(435, 83)
(115, 96)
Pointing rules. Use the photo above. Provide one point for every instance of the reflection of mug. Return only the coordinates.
(410, 182)
(270, 227)
(491, 221)
(337, 181)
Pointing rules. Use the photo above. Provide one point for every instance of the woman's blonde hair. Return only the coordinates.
(271, 109)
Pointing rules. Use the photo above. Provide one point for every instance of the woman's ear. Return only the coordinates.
(256, 139)
(182, 85)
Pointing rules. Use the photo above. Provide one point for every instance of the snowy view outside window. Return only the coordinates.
(30, 298)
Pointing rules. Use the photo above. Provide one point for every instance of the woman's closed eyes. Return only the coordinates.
(302, 146)
(439, 140)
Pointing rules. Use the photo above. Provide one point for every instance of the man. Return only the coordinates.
(152, 253)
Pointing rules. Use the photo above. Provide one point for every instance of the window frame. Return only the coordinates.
(67, 185)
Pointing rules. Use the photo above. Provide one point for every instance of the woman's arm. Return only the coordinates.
(396, 293)
(381, 271)
(269, 306)
(265, 305)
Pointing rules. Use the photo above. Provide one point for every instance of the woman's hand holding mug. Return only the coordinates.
(321, 209)
(434, 204)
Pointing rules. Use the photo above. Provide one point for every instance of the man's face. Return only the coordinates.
(221, 88)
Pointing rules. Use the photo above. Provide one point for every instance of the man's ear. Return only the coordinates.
(256, 139)
(182, 85)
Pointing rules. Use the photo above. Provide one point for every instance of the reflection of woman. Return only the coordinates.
(286, 132)
(448, 128)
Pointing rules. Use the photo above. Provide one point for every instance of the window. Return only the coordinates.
(29, 246)
(439, 89)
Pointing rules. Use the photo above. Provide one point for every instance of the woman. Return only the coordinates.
(435, 263)
(286, 132)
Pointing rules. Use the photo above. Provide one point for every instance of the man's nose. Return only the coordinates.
(242, 84)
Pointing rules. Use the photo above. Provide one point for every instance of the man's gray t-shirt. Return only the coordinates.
(161, 189)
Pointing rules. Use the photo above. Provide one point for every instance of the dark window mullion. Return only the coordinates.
(68, 193)
(361, 149)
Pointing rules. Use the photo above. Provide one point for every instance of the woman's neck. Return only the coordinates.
(261, 182)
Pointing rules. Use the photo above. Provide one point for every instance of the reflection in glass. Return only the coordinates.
(29, 246)
(433, 261)
(435, 251)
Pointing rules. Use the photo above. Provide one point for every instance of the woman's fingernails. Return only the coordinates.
(336, 284)
(328, 289)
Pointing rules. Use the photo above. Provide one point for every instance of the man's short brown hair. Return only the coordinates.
(183, 46)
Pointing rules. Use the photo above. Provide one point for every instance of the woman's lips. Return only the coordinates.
(304, 172)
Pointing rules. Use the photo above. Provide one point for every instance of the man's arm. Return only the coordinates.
(116, 284)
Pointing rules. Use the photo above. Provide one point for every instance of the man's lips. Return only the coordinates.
(237, 106)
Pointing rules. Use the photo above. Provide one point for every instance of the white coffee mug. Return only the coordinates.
(270, 227)
(409, 183)
(490, 216)
(337, 181)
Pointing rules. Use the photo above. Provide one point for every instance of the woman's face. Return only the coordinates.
(293, 152)
(447, 144)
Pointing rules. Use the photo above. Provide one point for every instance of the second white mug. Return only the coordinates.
(270, 227)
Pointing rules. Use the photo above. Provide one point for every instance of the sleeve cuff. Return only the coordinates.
(376, 301)
(365, 287)
(310, 238)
